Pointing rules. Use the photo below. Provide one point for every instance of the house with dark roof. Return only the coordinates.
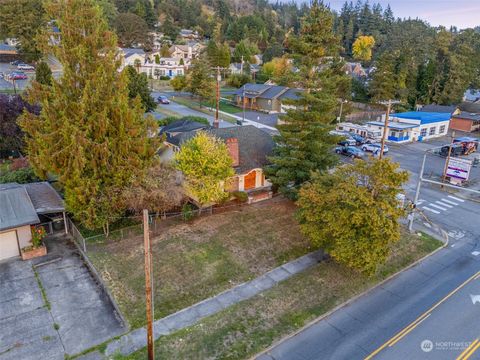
(23, 206)
(467, 117)
(249, 148)
(267, 98)
(449, 109)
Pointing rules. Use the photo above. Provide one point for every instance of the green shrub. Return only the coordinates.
(21, 176)
(169, 119)
(241, 196)
(188, 212)
(164, 77)
(238, 80)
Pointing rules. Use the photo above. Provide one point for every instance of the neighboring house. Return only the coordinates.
(466, 117)
(170, 67)
(263, 97)
(188, 34)
(7, 50)
(258, 59)
(186, 52)
(130, 56)
(471, 95)
(137, 58)
(413, 126)
(449, 109)
(157, 39)
(239, 68)
(249, 148)
(355, 69)
(23, 206)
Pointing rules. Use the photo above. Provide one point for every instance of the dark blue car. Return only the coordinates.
(350, 151)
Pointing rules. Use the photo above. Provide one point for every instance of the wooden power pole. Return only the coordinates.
(385, 129)
(148, 285)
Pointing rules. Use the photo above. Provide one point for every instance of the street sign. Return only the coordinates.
(459, 168)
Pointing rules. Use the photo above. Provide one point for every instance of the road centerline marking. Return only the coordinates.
(408, 331)
(469, 350)
(455, 198)
(434, 211)
(437, 207)
(426, 313)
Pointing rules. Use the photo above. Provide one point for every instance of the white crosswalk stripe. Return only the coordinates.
(431, 210)
(455, 198)
(443, 204)
(449, 202)
(437, 207)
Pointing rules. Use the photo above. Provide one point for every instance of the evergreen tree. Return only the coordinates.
(304, 144)
(88, 133)
(200, 81)
(43, 74)
(138, 86)
(383, 85)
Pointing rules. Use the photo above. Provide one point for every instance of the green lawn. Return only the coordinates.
(251, 326)
(193, 261)
(195, 105)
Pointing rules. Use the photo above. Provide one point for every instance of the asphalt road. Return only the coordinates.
(427, 312)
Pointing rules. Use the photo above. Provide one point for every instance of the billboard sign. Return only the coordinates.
(459, 169)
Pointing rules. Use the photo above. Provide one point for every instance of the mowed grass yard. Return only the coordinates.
(195, 260)
(249, 327)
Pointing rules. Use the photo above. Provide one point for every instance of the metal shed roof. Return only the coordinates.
(16, 208)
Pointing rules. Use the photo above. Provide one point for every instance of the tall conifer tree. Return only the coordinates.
(304, 144)
(88, 133)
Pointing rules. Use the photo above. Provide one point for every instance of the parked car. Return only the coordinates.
(25, 67)
(17, 75)
(2, 75)
(457, 150)
(359, 139)
(163, 100)
(347, 142)
(15, 62)
(350, 151)
(374, 148)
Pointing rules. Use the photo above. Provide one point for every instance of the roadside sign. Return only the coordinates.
(459, 169)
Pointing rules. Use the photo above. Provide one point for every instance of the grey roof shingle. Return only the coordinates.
(273, 92)
(254, 145)
(439, 108)
(45, 198)
(16, 209)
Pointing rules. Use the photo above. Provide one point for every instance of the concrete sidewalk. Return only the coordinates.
(136, 339)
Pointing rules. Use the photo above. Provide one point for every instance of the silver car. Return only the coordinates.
(374, 148)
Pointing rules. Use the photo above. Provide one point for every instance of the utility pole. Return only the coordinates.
(341, 109)
(216, 122)
(241, 66)
(444, 176)
(385, 129)
(148, 285)
(243, 105)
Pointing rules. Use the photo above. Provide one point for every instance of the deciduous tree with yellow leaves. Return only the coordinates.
(353, 213)
(362, 48)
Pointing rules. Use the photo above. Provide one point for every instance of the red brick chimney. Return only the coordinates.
(232, 145)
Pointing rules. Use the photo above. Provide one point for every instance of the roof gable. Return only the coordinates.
(16, 209)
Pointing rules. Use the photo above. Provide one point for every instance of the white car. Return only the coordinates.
(25, 67)
(374, 148)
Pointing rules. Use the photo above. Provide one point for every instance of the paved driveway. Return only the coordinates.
(73, 316)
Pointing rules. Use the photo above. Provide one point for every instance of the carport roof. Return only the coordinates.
(16, 208)
(394, 125)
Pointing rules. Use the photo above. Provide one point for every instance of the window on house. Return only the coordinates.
(442, 129)
(393, 133)
(423, 132)
(162, 72)
(432, 131)
(179, 72)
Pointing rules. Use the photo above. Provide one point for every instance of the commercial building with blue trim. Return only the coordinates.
(413, 126)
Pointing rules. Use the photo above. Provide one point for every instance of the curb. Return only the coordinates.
(356, 297)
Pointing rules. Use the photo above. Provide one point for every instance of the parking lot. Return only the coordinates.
(20, 85)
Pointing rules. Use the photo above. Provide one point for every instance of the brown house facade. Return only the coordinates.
(466, 117)
(266, 98)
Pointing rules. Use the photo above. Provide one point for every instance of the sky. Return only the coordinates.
(460, 13)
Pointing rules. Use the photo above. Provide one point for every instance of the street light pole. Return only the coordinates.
(417, 192)
(385, 129)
